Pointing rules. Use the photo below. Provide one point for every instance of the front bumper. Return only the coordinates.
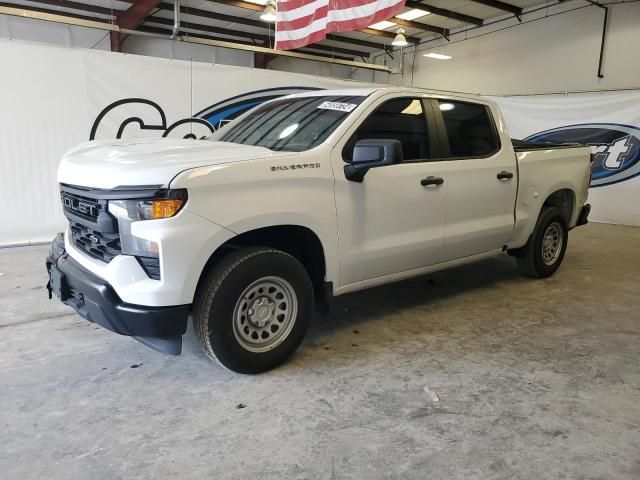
(94, 299)
(186, 243)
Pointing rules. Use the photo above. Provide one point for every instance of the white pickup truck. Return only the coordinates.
(301, 199)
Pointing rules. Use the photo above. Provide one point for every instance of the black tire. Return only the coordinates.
(225, 284)
(530, 258)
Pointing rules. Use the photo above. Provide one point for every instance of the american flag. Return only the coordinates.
(302, 22)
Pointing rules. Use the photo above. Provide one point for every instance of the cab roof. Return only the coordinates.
(365, 92)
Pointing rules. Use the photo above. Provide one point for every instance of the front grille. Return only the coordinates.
(85, 207)
(94, 230)
(103, 246)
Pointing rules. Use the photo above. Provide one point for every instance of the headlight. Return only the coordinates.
(129, 211)
(135, 210)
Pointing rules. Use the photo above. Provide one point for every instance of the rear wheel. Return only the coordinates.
(544, 252)
(253, 309)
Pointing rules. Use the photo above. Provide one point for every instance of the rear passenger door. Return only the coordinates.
(481, 179)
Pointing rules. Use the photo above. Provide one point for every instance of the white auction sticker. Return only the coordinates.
(341, 107)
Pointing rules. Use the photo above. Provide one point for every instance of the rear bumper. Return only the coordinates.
(95, 300)
(583, 218)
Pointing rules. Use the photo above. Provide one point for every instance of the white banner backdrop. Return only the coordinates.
(54, 98)
(609, 122)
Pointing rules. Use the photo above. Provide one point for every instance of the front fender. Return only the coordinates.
(253, 194)
(327, 234)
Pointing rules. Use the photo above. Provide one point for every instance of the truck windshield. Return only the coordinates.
(293, 124)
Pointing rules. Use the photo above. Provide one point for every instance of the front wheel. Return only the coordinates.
(253, 309)
(544, 252)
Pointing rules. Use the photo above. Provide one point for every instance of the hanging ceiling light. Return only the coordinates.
(269, 12)
(400, 40)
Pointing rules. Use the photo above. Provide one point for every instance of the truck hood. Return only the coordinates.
(116, 163)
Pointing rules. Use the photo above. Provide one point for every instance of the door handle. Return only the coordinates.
(431, 181)
(504, 175)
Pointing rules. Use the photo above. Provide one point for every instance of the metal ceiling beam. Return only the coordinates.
(443, 12)
(199, 12)
(240, 4)
(105, 25)
(355, 41)
(136, 14)
(167, 32)
(285, 53)
(57, 17)
(505, 7)
(210, 29)
(264, 39)
(252, 23)
(261, 60)
(338, 50)
(306, 53)
(131, 19)
(420, 26)
(84, 7)
(49, 11)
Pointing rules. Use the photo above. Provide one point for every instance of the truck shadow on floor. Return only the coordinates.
(461, 299)
(465, 302)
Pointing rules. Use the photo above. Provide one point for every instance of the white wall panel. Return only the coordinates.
(44, 106)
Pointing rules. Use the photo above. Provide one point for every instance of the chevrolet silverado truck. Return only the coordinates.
(303, 198)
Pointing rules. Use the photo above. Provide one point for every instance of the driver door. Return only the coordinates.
(393, 221)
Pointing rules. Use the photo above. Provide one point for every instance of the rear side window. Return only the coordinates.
(470, 129)
(401, 119)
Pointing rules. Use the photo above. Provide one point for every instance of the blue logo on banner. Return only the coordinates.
(616, 148)
(148, 115)
(229, 109)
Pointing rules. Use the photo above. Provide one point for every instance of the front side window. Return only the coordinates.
(469, 128)
(400, 119)
(293, 124)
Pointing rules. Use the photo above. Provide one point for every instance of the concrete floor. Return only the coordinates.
(536, 380)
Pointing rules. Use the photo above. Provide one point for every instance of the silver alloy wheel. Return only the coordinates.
(552, 243)
(265, 314)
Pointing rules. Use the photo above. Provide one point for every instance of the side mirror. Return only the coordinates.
(371, 154)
